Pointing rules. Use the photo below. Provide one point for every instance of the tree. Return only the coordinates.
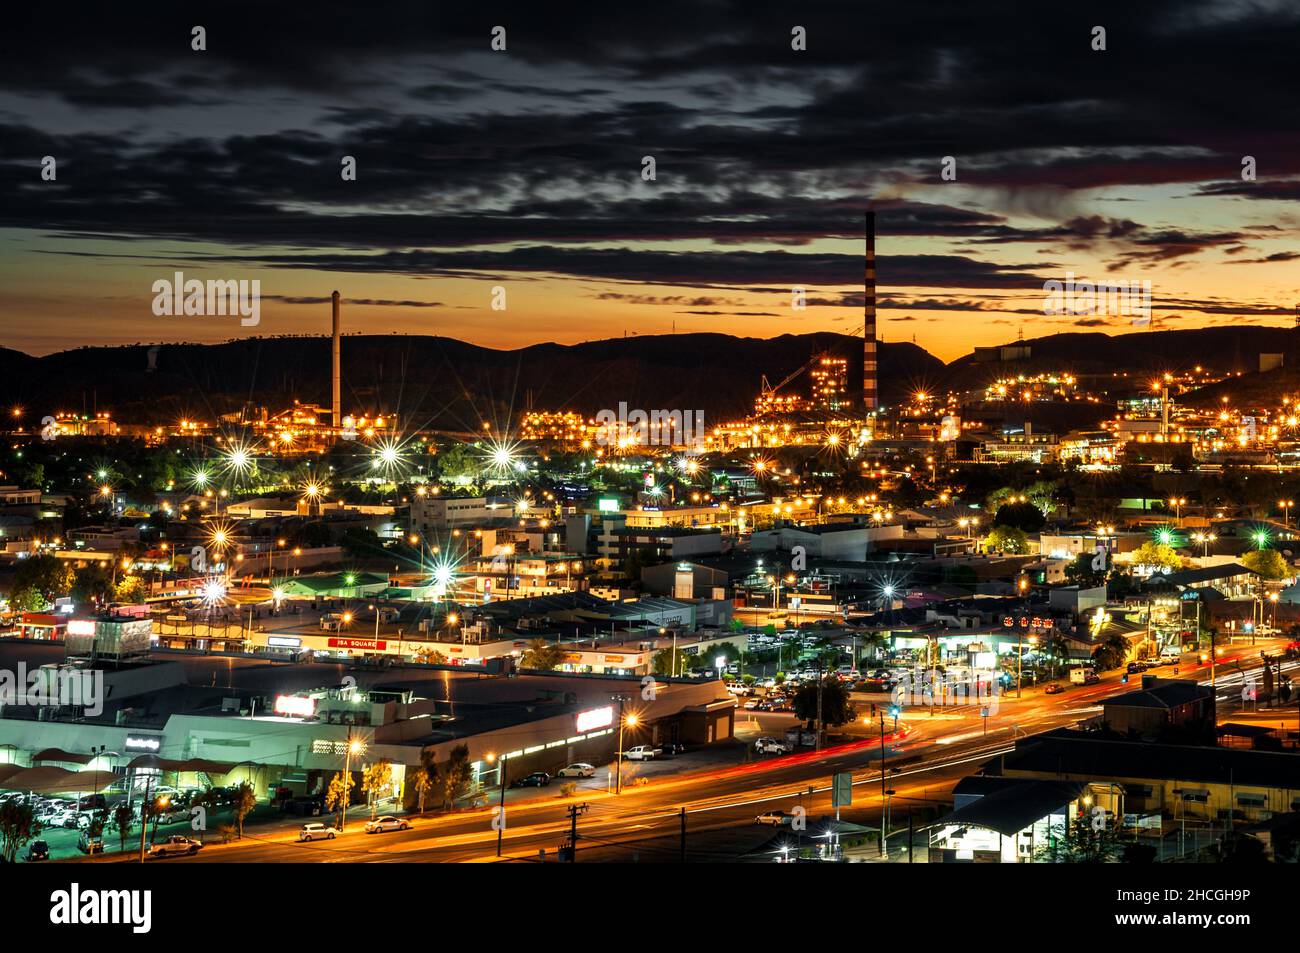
(1111, 653)
(18, 826)
(338, 793)
(1268, 563)
(1007, 539)
(375, 779)
(451, 781)
(1081, 573)
(835, 705)
(542, 656)
(430, 656)
(421, 785)
(49, 576)
(123, 821)
(664, 662)
(245, 801)
(131, 589)
(1157, 557)
(91, 584)
(1083, 840)
(1024, 516)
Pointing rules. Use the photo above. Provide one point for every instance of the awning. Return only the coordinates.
(51, 780)
(58, 754)
(155, 763)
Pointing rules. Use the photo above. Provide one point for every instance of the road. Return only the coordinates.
(937, 749)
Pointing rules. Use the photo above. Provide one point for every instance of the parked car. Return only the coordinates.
(90, 845)
(1054, 689)
(38, 850)
(774, 818)
(92, 802)
(673, 747)
(386, 823)
(642, 753)
(751, 704)
(771, 746)
(1134, 667)
(538, 779)
(309, 832)
(176, 844)
(579, 769)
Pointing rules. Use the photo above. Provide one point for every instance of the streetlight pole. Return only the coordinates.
(501, 816)
(353, 746)
(618, 782)
(882, 783)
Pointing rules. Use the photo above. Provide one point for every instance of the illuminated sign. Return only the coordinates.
(284, 641)
(595, 718)
(143, 744)
(297, 705)
(81, 627)
(618, 659)
(376, 645)
(607, 506)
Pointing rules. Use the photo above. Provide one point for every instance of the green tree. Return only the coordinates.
(18, 827)
(541, 656)
(91, 584)
(123, 821)
(1268, 563)
(836, 707)
(1084, 839)
(664, 662)
(1007, 539)
(51, 577)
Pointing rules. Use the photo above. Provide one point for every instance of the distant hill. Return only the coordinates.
(437, 381)
(1142, 353)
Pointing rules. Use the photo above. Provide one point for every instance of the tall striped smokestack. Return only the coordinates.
(870, 378)
(336, 377)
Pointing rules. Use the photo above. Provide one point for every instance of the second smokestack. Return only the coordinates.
(336, 377)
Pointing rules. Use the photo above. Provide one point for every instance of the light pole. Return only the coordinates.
(629, 720)
(354, 746)
(1286, 511)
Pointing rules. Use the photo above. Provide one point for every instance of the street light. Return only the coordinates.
(629, 720)
(1286, 511)
(355, 746)
(1178, 502)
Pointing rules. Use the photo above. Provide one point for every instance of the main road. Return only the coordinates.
(931, 750)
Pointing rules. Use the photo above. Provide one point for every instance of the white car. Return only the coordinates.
(577, 770)
(642, 753)
(387, 823)
(750, 704)
(771, 746)
(311, 832)
(176, 844)
(774, 818)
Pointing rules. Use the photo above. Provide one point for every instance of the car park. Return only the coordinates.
(387, 823)
(579, 769)
(310, 832)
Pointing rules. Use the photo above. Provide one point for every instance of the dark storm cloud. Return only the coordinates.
(460, 150)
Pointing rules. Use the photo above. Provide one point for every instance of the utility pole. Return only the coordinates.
(144, 815)
(882, 783)
(683, 850)
(501, 816)
(574, 811)
(821, 680)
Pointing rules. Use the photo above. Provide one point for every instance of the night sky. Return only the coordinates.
(523, 168)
